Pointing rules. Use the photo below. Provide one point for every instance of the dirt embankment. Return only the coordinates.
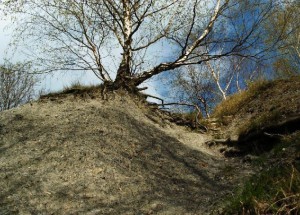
(88, 156)
(262, 126)
(253, 121)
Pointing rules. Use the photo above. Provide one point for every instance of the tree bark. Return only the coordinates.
(123, 79)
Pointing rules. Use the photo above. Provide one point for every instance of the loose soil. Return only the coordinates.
(75, 155)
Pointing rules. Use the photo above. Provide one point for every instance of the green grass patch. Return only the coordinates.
(275, 190)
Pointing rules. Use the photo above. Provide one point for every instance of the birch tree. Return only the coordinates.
(210, 83)
(93, 35)
(195, 87)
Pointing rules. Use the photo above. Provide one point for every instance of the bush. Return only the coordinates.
(16, 85)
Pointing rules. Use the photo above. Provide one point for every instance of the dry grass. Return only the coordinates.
(263, 105)
(78, 86)
(275, 191)
(262, 97)
(235, 103)
(264, 120)
(76, 89)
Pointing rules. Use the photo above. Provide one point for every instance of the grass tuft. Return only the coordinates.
(77, 86)
(74, 88)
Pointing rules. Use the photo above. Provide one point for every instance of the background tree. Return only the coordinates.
(193, 87)
(285, 22)
(208, 84)
(91, 34)
(16, 85)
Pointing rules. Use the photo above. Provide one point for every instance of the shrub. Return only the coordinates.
(16, 85)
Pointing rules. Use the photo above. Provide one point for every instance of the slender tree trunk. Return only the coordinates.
(124, 76)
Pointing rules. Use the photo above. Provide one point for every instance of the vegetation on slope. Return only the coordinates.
(276, 189)
(264, 99)
(259, 115)
(266, 117)
(70, 152)
(76, 90)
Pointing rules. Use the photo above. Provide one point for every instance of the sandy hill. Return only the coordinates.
(83, 155)
(75, 153)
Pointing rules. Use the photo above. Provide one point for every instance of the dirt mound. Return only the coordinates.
(88, 156)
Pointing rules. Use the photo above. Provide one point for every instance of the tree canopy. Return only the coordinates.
(285, 22)
(121, 40)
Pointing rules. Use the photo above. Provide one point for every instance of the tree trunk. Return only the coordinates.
(124, 81)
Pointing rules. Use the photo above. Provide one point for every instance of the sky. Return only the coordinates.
(58, 80)
(50, 82)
